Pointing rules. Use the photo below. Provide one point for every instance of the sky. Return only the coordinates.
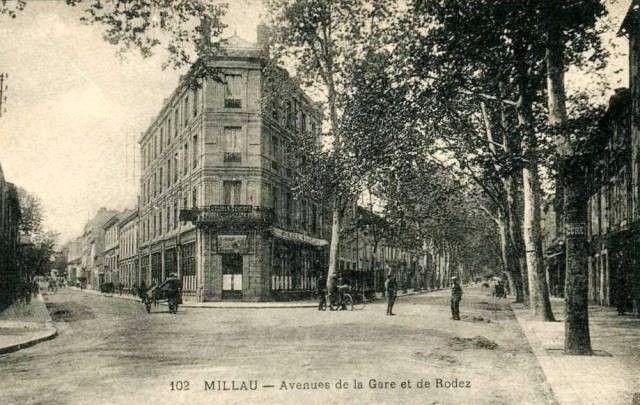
(75, 110)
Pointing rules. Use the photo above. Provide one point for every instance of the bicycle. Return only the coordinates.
(351, 301)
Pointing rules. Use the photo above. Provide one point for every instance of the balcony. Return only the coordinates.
(231, 219)
(232, 157)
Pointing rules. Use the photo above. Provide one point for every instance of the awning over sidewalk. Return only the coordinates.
(298, 237)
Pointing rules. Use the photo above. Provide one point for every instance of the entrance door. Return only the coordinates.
(231, 276)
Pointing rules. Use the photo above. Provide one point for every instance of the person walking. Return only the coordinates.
(390, 290)
(456, 296)
(321, 290)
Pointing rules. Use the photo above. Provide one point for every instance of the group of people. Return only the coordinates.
(391, 293)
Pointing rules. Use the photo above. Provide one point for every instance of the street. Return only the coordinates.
(111, 351)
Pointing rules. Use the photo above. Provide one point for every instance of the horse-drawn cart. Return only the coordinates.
(155, 294)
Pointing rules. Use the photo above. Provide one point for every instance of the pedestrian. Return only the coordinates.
(390, 290)
(171, 286)
(456, 296)
(321, 290)
(142, 291)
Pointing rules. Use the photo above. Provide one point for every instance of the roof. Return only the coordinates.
(631, 21)
(236, 42)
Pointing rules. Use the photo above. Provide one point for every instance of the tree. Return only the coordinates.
(144, 25)
(325, 40)
(571, 30)
(37, 244)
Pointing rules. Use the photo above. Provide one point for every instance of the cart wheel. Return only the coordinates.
(348, 302)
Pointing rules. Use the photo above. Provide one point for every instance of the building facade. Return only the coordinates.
(111, 249)
(74, 260)
(93, 242)
(613, 226)
(218, 155)
(10, 272)
(128, 269)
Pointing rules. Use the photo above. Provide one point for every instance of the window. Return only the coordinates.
(160, 182)
(314, 216)
(184, 201)
(194, 197)
(185, 109)
(231, 190)
(288, 208)
(161, 141)
(175, 167)
(175, 123)
(233, 91)
(289, 116)
(168, 218)
(168, 130)
(232, 144)
(304, 123)
(175, 215)
(168, 173)
(276, 149)
(195, 102)
(155, 179)
(195, 151)
(185, 158)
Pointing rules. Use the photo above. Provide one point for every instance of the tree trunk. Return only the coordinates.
(511, 269)
(538, 290)
(514, 227)
(576, 327)
(333, 250)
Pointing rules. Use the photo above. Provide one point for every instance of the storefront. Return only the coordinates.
(240, 255)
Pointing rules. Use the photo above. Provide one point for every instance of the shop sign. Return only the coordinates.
(298, 237)
(575, 230)
(233, 244)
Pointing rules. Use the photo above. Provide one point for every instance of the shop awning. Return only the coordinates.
(298, 237)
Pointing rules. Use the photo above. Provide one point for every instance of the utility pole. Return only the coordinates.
(3, 88)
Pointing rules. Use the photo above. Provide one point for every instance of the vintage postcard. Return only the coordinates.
(319, 202)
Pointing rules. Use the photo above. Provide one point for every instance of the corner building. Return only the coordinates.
(216, 205)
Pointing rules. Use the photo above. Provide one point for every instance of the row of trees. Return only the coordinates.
(440, 108)
(432, 100)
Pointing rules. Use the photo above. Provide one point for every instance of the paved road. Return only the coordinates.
(111, 351)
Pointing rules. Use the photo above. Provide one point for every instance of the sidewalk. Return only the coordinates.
(610, 376)
(24, 325)
(234, 304)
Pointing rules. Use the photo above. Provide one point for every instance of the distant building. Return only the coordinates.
(93, 245)
(111, 249)
(128, 273)
(74, 260)
(10, 272)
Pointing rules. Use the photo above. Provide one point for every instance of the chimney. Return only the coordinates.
(204, 42)
(263, 38)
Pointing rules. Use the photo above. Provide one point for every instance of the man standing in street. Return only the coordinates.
(390, 289)
(321, 290)
(456, 296)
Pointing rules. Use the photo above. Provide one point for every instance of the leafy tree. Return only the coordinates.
(37, 244)
(324, 41)
(146, 24)
(571, 29)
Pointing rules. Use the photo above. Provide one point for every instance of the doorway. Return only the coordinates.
(231, 276)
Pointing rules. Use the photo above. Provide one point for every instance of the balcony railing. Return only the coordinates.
(230, 218)
(232, 157)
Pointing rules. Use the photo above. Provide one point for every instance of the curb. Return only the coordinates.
(234, 305)
(48, 335)
(23, 345)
